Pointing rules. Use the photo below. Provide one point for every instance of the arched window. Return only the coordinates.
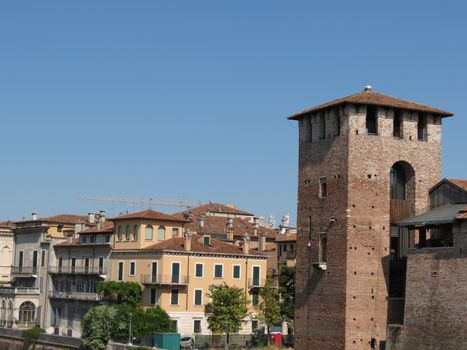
(127, 233)
(119, 233)
(161, 233)
(148, 233)
(27, 312)
(135, 233)
(397, 182)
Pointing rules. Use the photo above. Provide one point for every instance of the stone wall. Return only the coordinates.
(11, 339)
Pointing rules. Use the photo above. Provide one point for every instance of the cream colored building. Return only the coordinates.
(176, 270)
(6, 252)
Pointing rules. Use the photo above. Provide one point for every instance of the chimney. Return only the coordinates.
(255, 226)
(246, 244)
(187, 244)
(201, 222)
(91, 218)
(262, 243)
(34, 215)
(230, 230)
(102, 216)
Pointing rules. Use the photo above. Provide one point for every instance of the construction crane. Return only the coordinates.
(145, 202)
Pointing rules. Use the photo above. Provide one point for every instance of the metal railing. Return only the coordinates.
(19, 290)
(74, 295)
(80, 270)
(24, 270)
(164, 280)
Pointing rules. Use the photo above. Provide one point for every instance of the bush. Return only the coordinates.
(30, 336)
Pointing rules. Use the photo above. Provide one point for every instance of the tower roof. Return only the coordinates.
(370, 97)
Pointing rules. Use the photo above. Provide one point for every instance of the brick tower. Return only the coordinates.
(365, 162)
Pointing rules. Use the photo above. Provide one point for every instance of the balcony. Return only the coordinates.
(24, 271)
(399, 209)
(74, 295)
(19, 291)
(256, 283)
(78, 270)
(167, 280)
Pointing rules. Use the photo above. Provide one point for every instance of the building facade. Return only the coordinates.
(365, 162)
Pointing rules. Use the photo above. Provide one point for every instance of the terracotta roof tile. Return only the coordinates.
(106, 227)
(149, 214)
(459, 182)
(370, 97)
(286, 238)
(7, 224)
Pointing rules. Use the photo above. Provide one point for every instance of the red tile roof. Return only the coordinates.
(371, 97)
(60, 219)
(459, 182)
(151, 215)
(198, 246)
(106, 227)
(7, 224)
(213, 208)
(286, 238)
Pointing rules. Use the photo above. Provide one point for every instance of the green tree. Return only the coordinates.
(227, 309)
(121, 292)
(287, 293)
(98, 326)
(269, 307)
(30, 337)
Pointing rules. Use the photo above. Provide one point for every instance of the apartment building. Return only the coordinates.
(286, 249)
(176, 270)
(25, 304)
(80, 264)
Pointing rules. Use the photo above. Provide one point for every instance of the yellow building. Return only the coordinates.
(176, 270)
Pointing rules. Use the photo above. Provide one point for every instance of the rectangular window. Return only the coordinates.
(199, 270)
(397, 124)
(107, 238)
(371, 120)
(175, 232)
(91, 239)
(43, 258)
(322, 126)
(120, 271)
(256, 276)
(84, 239)
(86, 265)
(255, 299)
(153, 296)
(175, 272)
(20, 259)
(254, 325)
(323, 248)
(421, 127)
(73, 264)
(34, 258)
(60, 264)
(154, 272)
(206, 240)
(132, 268)
(197, 326)
(174, 297)
(218, 271)
(175, 326)
(198, 297)
(323, 187)
(101, 265)
(236, 271)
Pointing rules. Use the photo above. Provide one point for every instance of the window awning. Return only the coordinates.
(438, 216)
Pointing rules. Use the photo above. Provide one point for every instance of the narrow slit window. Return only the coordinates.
(338, 122)
(322, 126)
(323, 187)
(371, 120)
(323, 248)
(309, 130)
(397, 124)
(421, 127)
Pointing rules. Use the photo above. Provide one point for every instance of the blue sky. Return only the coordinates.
(188, 100)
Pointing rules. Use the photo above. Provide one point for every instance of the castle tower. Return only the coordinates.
(365, 162)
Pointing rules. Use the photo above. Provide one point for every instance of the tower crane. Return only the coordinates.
(145, 201)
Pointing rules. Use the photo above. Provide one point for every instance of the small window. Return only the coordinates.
(371, 120)
(107, 238)
(153, 296)
(397, 124)
(255, 299)
(161, 233)
(323, 248)
(120, 271)
(148, 233)
(421, 127)
(323, 188)
(236, 271)
(34, 258)
(254, 325)
(127, 233)
(92, 238)
(322, 126)
(43, 258)
(84, 239)
(199, 270)
(198, 297)
(206, 240)
(175, 232)
(135, 233)
(119, 233)
(197, 326)
(132, 268)
(218, 271)
(174, 297)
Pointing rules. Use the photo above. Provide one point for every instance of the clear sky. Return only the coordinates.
(188, 100)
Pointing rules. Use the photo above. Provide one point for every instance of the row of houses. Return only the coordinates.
(50, 266)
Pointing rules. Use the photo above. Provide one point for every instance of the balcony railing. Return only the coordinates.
(78, 270)
(74, 295)
(24, 270)
(165, 280)
(19, 290)
(256, 283)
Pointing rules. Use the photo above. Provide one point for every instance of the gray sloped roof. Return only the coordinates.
(438, 216)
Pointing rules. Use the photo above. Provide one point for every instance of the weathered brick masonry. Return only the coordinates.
(342, 303)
